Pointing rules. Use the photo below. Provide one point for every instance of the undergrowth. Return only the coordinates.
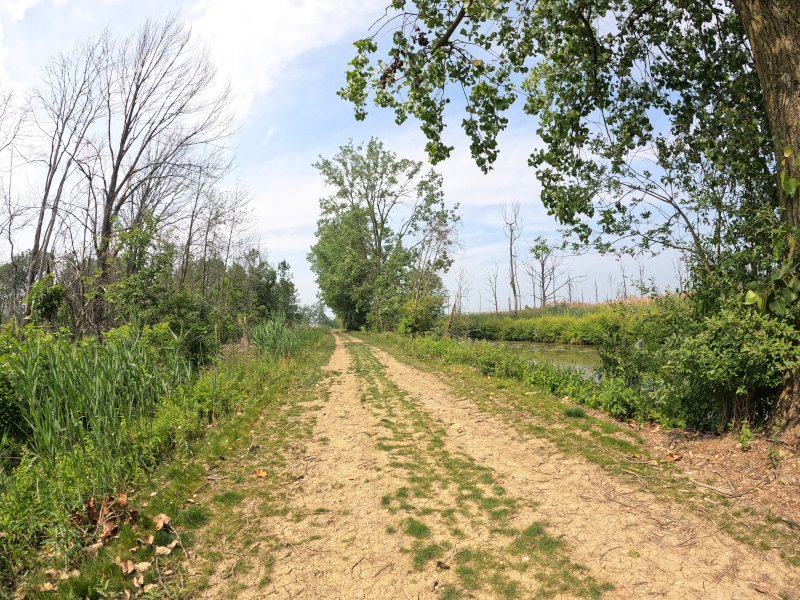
(89, 420)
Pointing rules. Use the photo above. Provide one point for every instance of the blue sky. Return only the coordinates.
(285, 59)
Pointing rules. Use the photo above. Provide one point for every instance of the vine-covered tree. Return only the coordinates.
(383, 238)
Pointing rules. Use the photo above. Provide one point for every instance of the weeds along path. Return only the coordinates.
(643, 545)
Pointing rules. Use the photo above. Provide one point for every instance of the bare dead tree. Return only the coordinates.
(461, 291)
(161, 115)
(679, 268)
(432, 249)
(544, 270)
(492, 276)
(12, 219)
(624, 283)
(512, 231)
(63, 109)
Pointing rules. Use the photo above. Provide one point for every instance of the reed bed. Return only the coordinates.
(565, 324)
(279, 338)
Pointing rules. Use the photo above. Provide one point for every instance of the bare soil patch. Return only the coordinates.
(765, 478)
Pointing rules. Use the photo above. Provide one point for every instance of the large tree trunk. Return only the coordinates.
(773, 28)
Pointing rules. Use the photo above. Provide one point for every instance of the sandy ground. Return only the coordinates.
(340, 546)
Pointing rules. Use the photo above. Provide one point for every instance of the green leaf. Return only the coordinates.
(778, 306)
(751, 297)
(790, 185)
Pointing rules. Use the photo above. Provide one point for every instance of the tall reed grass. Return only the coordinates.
(564, 324)
(82, 420)
(277, 337)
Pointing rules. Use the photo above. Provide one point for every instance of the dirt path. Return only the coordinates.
(340, 549)
(409, 491)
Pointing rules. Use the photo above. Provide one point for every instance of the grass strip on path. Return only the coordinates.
(453, 509)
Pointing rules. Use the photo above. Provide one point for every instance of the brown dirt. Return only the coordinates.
(343, 552)
(765, 478)
(333, 542)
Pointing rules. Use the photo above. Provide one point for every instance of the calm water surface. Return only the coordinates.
(584, 358)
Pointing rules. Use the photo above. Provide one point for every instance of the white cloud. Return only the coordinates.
(16, 9)
(253, 43)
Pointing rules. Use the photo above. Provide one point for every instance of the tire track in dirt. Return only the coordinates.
(340, 548)
(643, 545)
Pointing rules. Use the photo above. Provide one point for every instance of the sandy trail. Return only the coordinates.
(603, 519)
(343, 552)
(338, 538)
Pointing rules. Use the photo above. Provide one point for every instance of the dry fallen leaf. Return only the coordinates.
(173, 543)
(146, 540)
(50, 573)
(162, 521)
(673, 457)
(163, 551)
(260, 473)
(142, 567)
(92, 549)
(442, 565)
(109, 528)
(47, 587)
(127, 566)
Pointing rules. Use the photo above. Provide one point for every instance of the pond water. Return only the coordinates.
(584, 358)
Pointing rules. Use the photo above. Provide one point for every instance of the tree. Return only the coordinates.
(383, 237)
(544, 268)
(121, 128)
(512, 230)
(339, 261)
(665, 124)
(492, 278)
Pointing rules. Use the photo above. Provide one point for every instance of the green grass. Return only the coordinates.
(256, 384)
(278, 338)
(575, 412)
(229, 498)
(416, 529)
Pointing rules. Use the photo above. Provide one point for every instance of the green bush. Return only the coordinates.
(731, 368)
(420, 316)
(708, 368)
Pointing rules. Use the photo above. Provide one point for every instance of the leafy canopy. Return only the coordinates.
(650, 115)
